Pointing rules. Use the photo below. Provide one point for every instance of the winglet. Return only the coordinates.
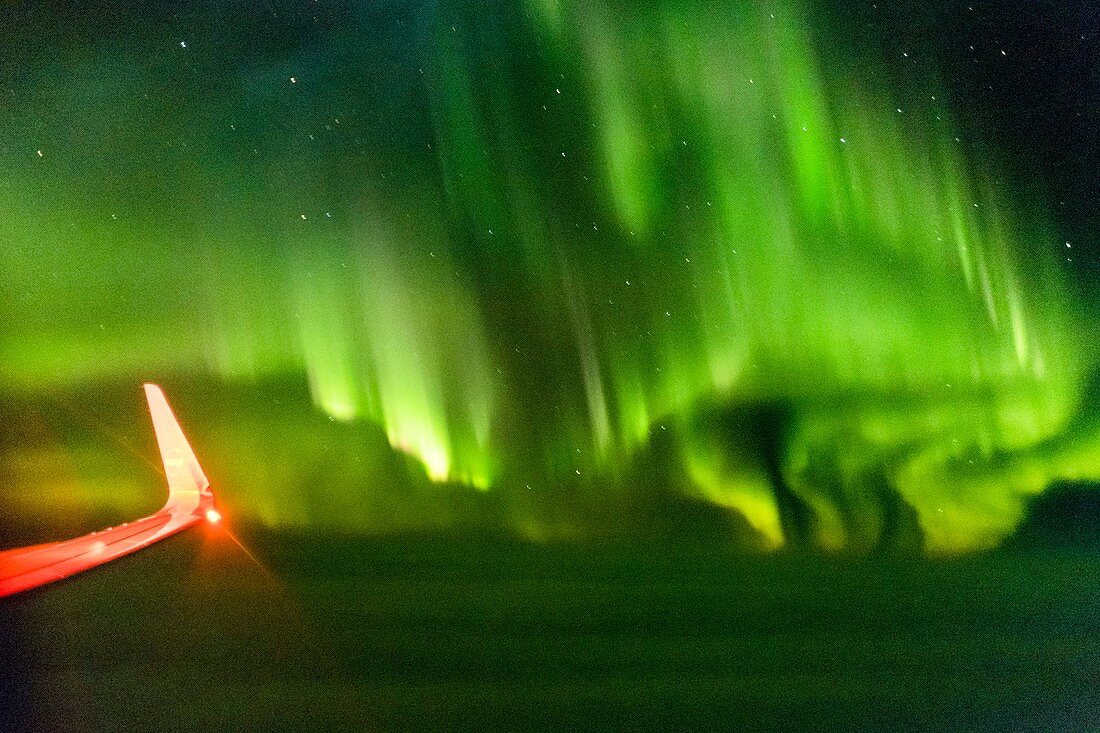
(180, 465)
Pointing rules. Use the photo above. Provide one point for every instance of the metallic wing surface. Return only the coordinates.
(189, 502)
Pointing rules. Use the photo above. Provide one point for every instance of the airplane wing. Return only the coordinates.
(189, 502)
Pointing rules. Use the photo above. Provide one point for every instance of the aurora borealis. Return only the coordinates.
(562, 255)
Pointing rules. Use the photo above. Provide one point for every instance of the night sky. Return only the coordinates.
(825, 270)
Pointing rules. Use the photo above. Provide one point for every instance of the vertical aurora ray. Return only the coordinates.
(831, 247)
(524, 240)
(395, 339)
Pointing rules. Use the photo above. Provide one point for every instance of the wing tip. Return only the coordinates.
(181, 465)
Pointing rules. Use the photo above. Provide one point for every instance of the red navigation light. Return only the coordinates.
(213, 516)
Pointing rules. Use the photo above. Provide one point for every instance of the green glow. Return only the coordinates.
(731, 479)
(424, 375)
(676, 219)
